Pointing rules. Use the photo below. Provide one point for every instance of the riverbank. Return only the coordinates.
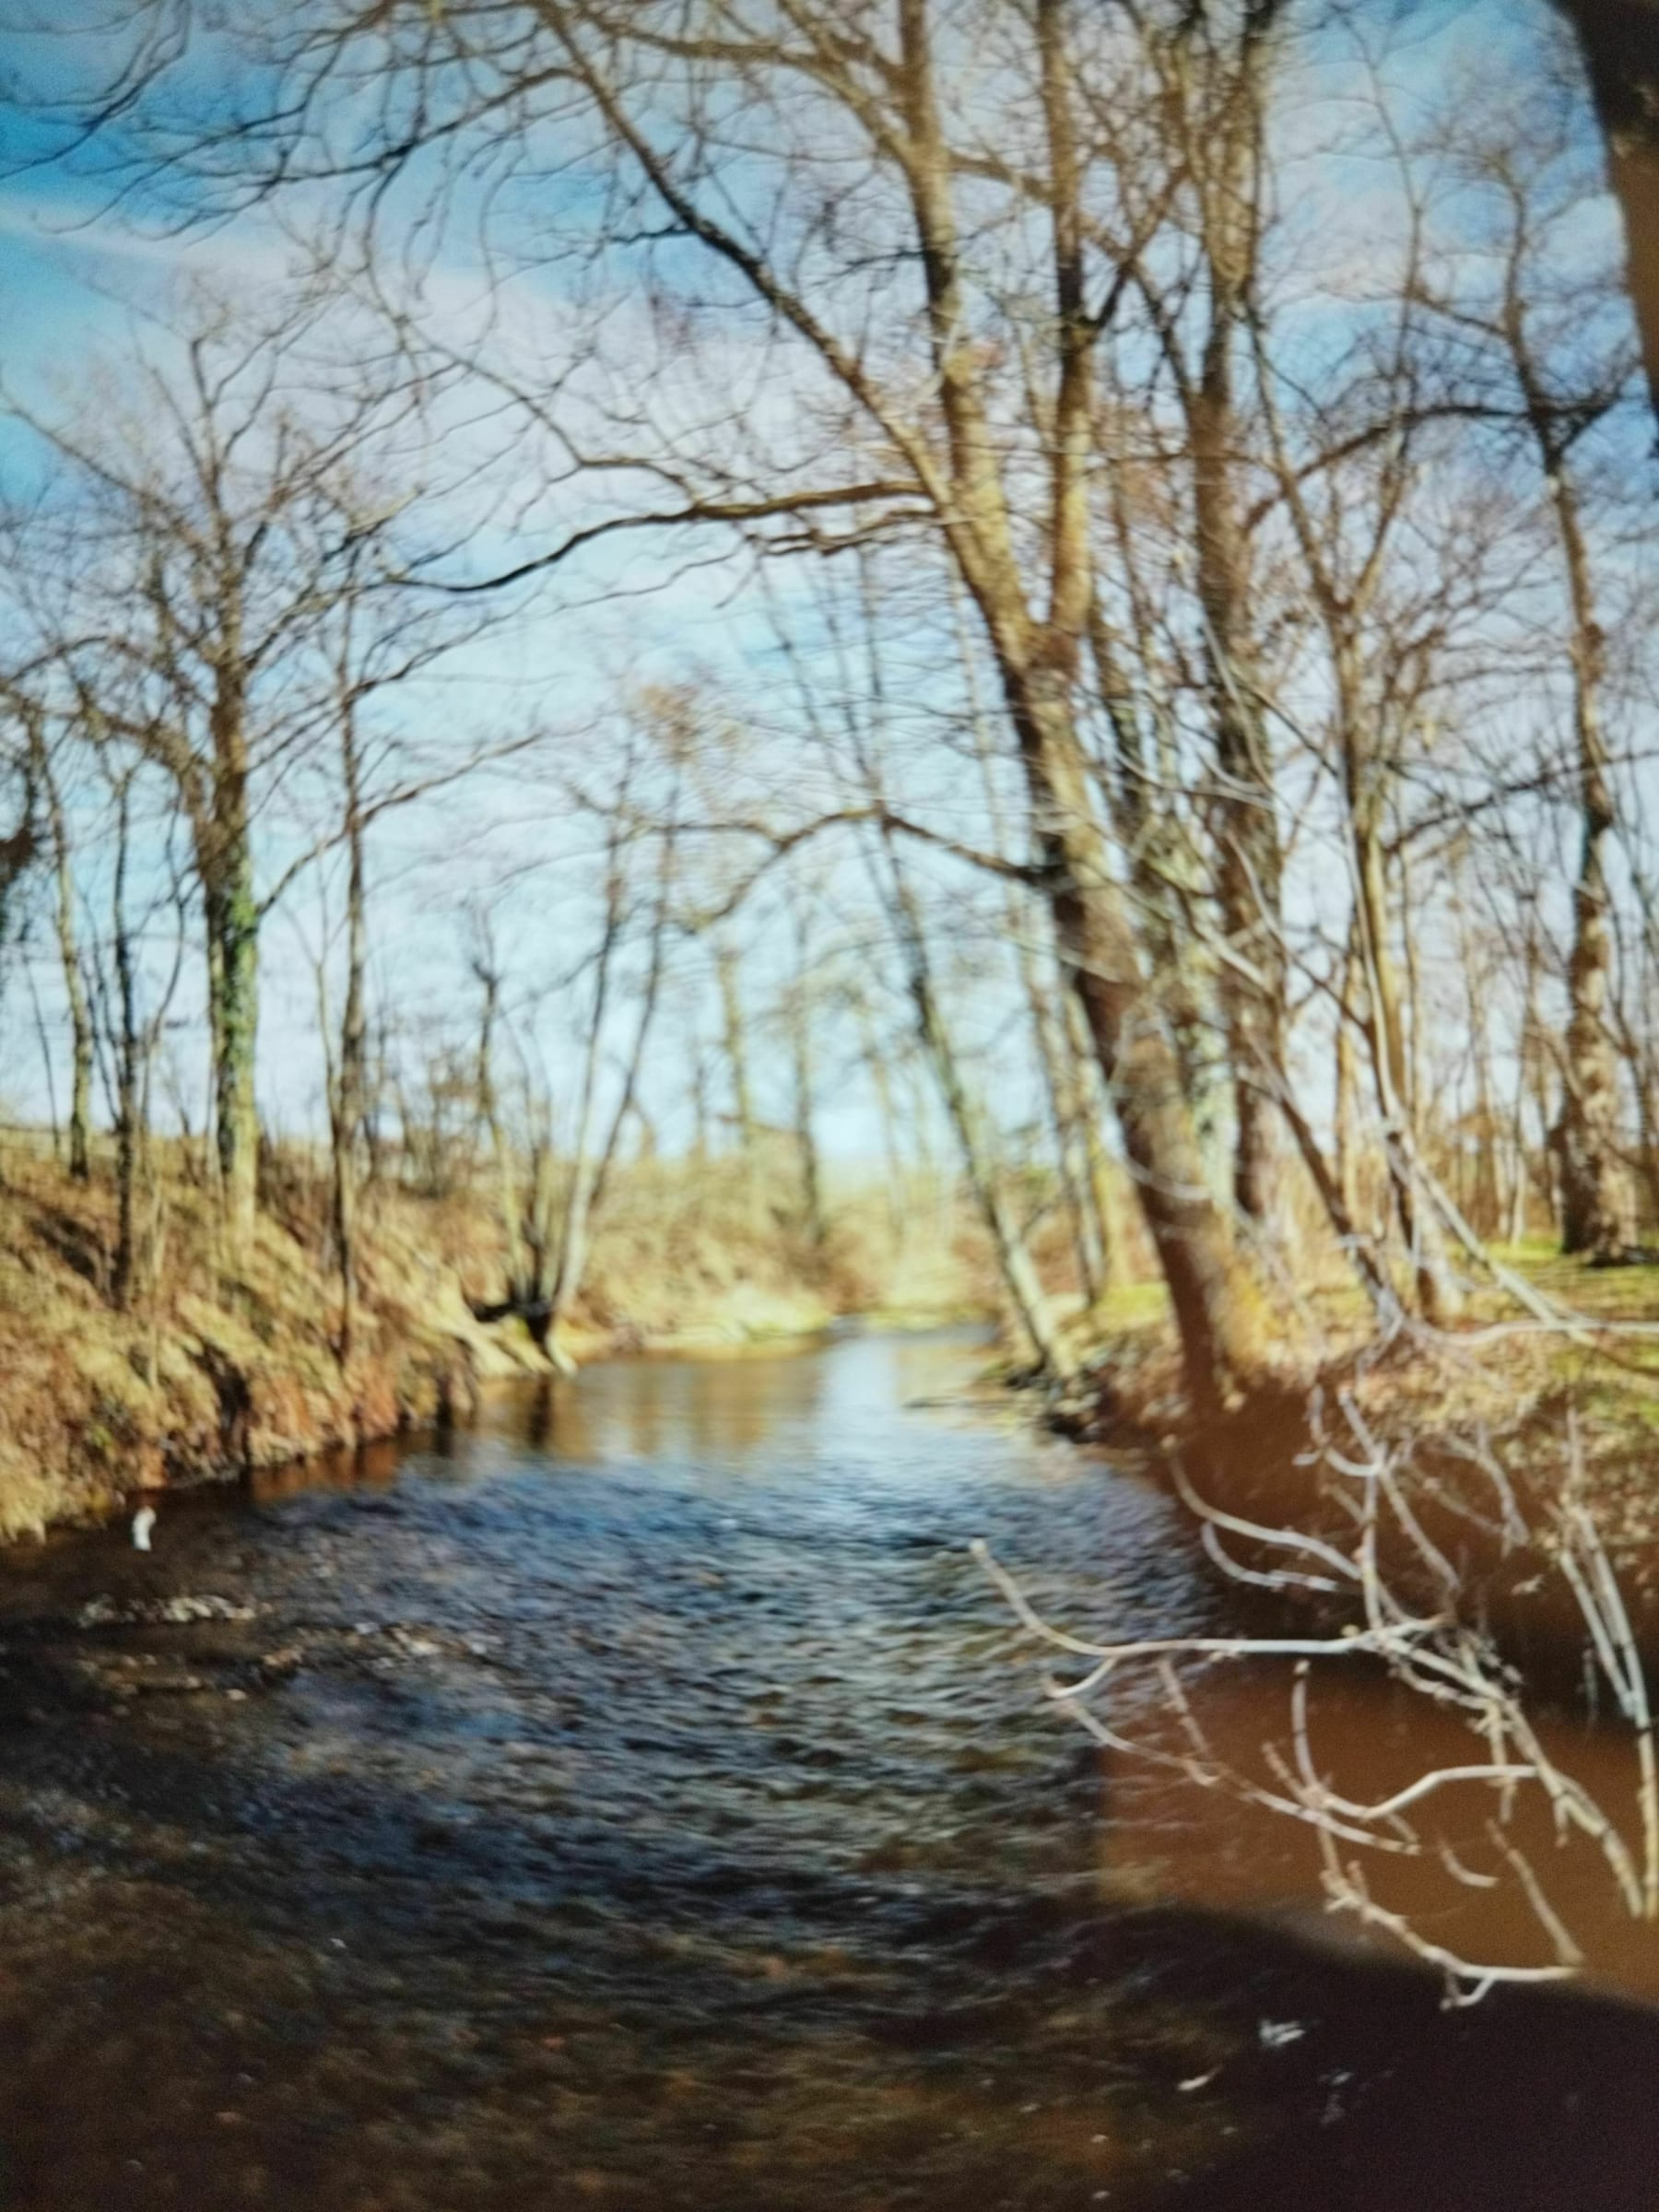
(1565, 1406)
(213, 1370)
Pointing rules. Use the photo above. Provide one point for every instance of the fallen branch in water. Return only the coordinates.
(1437, 1655)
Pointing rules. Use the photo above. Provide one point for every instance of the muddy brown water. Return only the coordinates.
(642, 1798)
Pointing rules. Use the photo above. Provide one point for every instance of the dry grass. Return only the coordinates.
(212, 1368)
(217, 1368)
(1499, 1375)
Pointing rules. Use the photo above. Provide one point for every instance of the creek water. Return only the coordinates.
(641, 1797)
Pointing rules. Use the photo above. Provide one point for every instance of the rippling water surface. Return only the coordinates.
(641, 1798)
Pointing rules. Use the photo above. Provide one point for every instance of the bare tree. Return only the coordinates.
(1537, 193)
(916, 388)
(200, 528)
(44, 774)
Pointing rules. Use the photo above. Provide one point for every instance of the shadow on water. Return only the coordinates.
(639, 1798)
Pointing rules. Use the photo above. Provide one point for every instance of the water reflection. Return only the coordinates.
(1371, 1739)
(642, 1410)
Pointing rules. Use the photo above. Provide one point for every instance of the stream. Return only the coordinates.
(641, 1797)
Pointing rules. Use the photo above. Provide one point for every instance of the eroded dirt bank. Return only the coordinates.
(216, 1368)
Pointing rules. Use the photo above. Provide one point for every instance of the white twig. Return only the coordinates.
(1439, 1657)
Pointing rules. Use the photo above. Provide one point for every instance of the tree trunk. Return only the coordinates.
(351, 1079)
(127, 1071)
(1250, 864)
(1061, 1090)
(1385, 1034)
(887, 1114)
(806, 1128)
(1013, 1262)
(699, 1108)
(74, 984)
(225, 860)
(588, 1181)
(1648, 1138)
(1385, 1027)
(487, 1108)
(1619, 40)
(1068, 1114)
(1585, 1137)
(1593, 1208)
(233, 982)
(735, 1040)
(1215, 1301)
(1156, 853)
(1020, 1278)
(1347, 1078)
(1093, 1108)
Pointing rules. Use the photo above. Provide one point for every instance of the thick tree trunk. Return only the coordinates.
(1594, 1212)
(1248, 884)
(233, 982)
(1216, 1303)
(1619, 40)
(1215, 1299)
(225, 861)
(1593, 1208)
(1250, 864)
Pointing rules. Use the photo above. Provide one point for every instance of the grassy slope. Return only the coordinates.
(1498, 1373)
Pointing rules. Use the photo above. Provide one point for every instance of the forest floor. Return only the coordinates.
(215, 1369)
